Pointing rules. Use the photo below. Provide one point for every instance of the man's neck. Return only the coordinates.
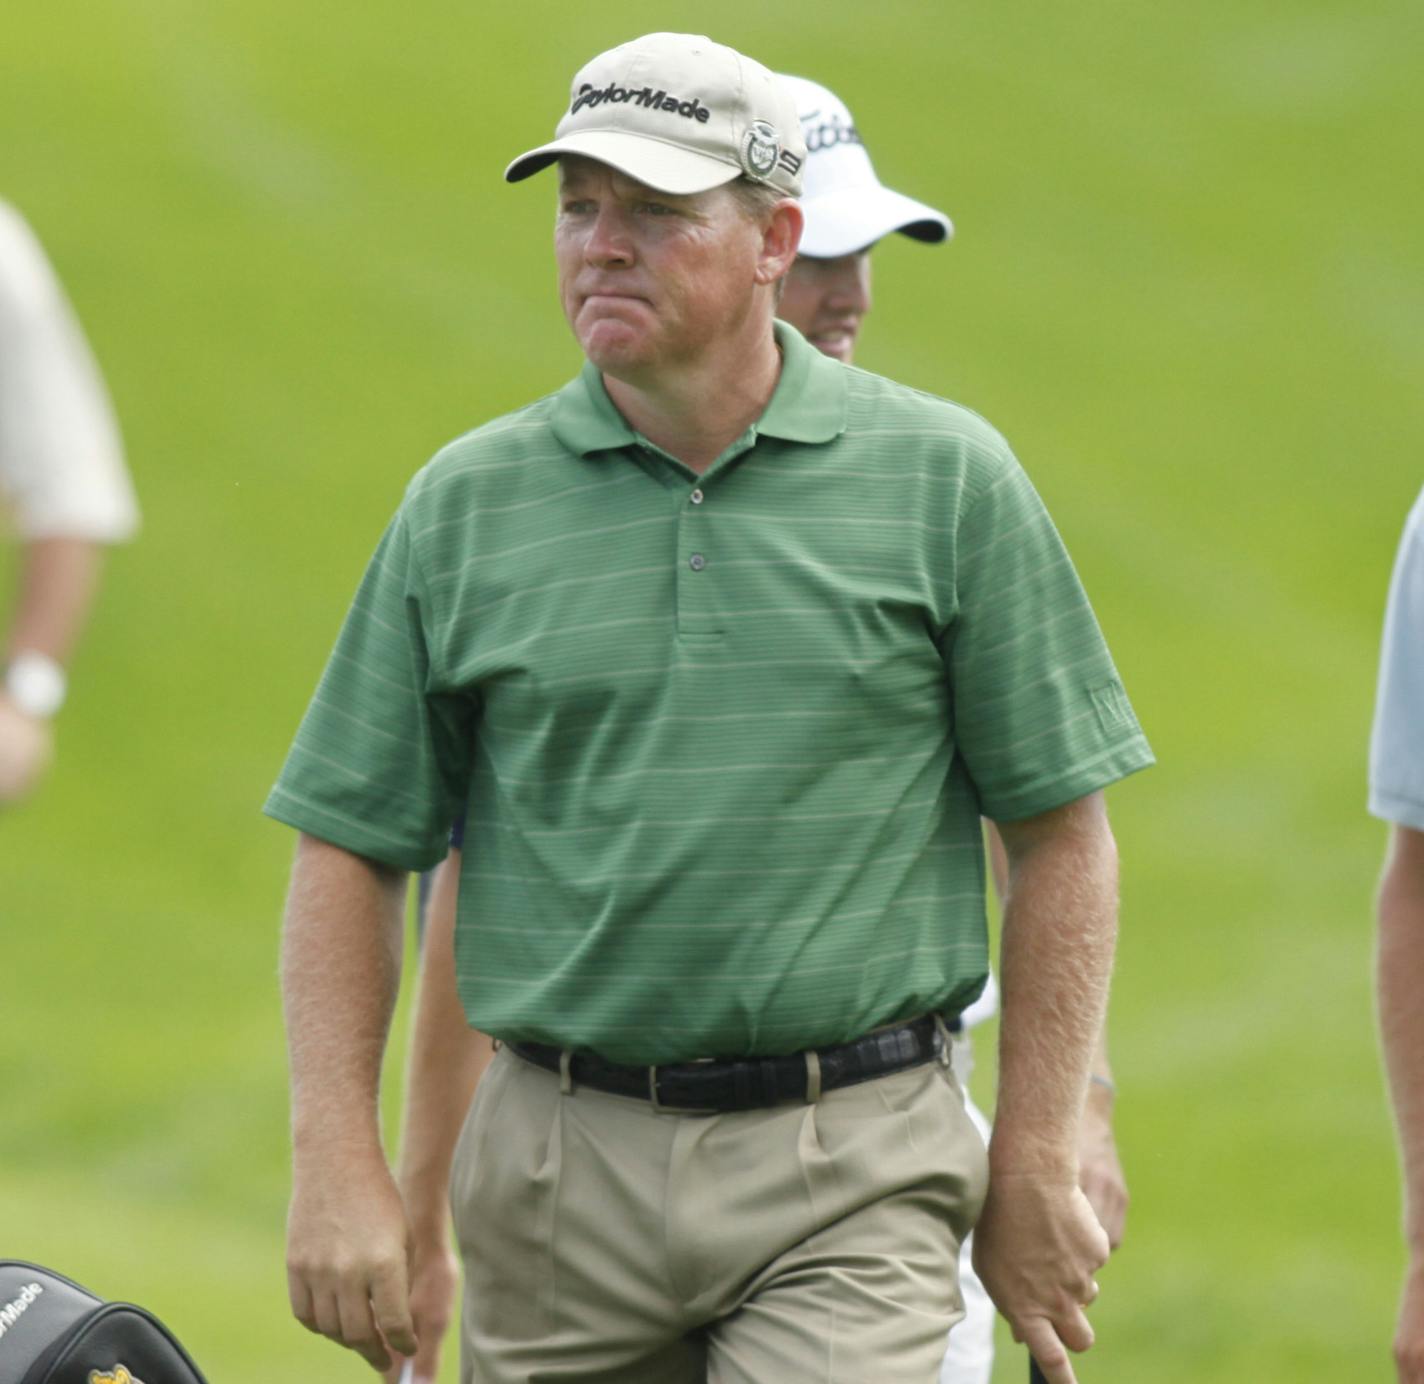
(695, 412)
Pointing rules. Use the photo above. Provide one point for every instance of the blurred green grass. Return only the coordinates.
(1188, 283)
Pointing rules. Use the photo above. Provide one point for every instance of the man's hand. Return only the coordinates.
(26, 748)
(347, 1258)
(1099, 1168)
(1409, 1335)
(1037, 1247)
(434, 1284)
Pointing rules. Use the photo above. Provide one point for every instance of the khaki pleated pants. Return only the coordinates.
(608, 1242)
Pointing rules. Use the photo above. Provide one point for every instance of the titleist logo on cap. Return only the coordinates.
(826, 133)
(593, 97)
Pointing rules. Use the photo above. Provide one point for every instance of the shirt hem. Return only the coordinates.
(338, 832)
(1402, 812)
(1069, 788)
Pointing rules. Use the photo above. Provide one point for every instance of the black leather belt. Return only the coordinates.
(748, 1083)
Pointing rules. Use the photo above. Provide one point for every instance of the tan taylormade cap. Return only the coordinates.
(681, 114)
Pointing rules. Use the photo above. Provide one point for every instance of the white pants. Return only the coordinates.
(970, 1359)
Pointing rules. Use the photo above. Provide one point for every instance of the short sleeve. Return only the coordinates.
(1397, 743)
(1040, 715)
(61, 460)
(380, 765)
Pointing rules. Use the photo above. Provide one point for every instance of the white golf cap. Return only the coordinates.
(681, 114)
(847, 207)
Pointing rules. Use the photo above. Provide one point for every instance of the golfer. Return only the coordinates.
(827, 296)
(720, 650)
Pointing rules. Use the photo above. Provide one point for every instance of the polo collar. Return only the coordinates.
(585, 419)
(808, 404)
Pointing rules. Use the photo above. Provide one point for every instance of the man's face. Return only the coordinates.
(827, 299)
(648, 279)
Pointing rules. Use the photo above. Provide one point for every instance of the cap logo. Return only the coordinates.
(613, 94)
(760, 148)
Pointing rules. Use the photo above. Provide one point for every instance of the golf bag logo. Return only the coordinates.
(118, 1375)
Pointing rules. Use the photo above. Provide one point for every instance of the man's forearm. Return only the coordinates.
(1059, 932)
(341, 959)
(446, 1060)
(347, 1233)
(1101, 1089)
(1400, 977)
(57, 581)
(1099, 1167)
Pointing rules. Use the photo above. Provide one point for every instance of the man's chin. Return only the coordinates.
(614, 351)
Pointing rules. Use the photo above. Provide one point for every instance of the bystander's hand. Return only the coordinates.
(1036, 1247)
(348, 1249)
(1099, 1168)
(434, 1284)
(26, 748)
(1409, 1335)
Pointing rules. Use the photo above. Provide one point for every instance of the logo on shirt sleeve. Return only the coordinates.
(118, 1375)
(1113, 708)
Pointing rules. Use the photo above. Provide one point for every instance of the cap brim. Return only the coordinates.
(666, 167)
(853, 218)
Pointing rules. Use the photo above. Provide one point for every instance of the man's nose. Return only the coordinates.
(849, 287)
(609, 243)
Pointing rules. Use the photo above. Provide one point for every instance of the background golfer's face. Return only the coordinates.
(648, 279)
(826, 301)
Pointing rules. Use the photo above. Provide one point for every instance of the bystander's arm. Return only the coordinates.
(57, 580)
(1100, 1172)
(347, 1237)
(1038, 1243)
(1400, 978)
(447, 1058)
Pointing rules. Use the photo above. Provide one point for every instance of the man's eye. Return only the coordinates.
(657, 209)
(576, 207)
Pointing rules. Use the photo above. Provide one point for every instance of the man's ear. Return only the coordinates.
(780, 237)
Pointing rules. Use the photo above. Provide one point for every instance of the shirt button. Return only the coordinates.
(696, 497)
(697, 562)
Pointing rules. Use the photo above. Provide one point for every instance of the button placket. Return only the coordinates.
(696, 607)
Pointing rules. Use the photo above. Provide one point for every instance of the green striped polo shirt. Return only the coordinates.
(722, 741)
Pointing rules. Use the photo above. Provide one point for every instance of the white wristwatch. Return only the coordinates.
(36, 684)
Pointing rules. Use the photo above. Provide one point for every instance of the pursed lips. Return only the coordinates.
(617, 295)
